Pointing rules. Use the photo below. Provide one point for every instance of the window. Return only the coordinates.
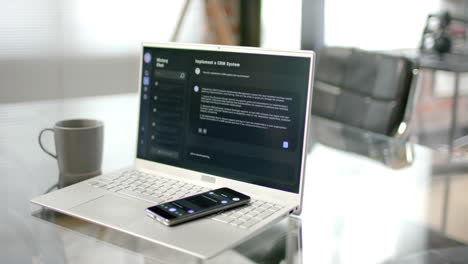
(376, 25)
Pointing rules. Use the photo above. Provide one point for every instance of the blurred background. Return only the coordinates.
(59, 49)
(53, 49)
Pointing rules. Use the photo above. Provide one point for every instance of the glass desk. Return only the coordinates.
(365, 198)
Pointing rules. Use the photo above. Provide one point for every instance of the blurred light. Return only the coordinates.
(281, 24)
(402, 128)
(109, 26)
(376, 25)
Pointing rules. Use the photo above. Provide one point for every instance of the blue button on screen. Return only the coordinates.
(146, 80)
(147, 57)
(285, 144)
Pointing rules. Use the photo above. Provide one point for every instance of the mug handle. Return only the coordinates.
(42, 146)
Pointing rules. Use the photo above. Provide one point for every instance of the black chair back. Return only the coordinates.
(367, 90)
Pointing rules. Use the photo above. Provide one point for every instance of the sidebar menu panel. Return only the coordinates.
(167, 113)
(146, 79)
(162, 108)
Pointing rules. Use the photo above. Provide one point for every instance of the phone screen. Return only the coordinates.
(199, 205)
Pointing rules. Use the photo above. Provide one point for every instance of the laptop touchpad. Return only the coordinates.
(112, 210)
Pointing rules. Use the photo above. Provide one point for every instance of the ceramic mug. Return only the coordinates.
(78, 149)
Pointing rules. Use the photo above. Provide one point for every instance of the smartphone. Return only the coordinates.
(196, 206)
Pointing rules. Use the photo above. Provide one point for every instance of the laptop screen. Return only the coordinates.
(235, 115)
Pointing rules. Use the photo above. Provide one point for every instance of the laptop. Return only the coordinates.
(209, 117)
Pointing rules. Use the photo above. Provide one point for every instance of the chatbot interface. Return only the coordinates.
(234, 115)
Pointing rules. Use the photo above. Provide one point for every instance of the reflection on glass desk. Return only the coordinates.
(392, 153)
(365, 197)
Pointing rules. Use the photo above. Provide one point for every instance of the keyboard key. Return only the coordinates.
(178, 185)
(236, 215)
(258, 203)
(223, 218)
(252, 213)
(244, 218)
(245, 210)
(237, 222)
(265, 214)
(115, 189)
(275, 208)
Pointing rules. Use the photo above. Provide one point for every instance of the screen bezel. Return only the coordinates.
(284, 197)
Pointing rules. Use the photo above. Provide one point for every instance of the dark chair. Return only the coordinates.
(357, 93)
(368, 90)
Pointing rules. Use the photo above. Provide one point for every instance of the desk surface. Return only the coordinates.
(365, 196)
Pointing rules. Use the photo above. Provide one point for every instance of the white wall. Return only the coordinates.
(377, 25)
(281, 24)
(58, 49)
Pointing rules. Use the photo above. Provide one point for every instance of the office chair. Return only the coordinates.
(358, 93)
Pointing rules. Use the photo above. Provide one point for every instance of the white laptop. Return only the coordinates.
(210, 117)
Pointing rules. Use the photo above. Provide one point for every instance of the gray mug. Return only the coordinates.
(78, 145)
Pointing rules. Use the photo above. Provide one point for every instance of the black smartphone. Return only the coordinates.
(196, 206)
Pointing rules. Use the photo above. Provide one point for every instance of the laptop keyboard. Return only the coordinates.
(157, 189)
(248, 216)
(151, 188)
